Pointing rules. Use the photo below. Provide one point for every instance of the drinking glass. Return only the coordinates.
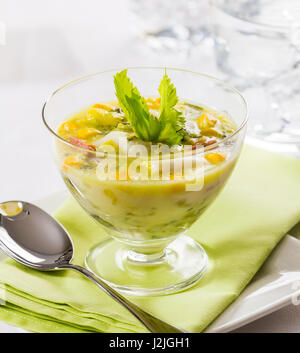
(170, 24)
(147, 252)
(257, 45)
(256, 40)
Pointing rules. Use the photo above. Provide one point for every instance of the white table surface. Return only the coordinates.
(49, 43)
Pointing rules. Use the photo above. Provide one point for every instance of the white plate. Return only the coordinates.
(273, 287)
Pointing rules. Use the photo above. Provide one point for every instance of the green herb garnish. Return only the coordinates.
(167, 128)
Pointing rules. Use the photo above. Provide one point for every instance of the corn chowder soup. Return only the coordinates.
(141, 210)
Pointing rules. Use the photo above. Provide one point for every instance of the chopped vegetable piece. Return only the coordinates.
(109, 193)
(212, 132)
(124, 127)
(102, 118)
(81, 144)
(111, 143)
(209, 143)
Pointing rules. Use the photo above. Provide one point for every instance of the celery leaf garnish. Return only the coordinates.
(167, 128)
(145, 125)
(171, 120)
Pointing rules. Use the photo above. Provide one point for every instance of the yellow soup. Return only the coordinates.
(137, 208)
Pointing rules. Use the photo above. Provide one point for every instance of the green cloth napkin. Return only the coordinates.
(260, 203)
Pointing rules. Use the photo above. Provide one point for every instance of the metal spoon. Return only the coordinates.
(32, 237)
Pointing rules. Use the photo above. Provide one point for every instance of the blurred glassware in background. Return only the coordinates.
(256, 39)
(170, 24)
(257, 46)
(284, 98)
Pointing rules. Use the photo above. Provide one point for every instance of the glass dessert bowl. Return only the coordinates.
(146, 168)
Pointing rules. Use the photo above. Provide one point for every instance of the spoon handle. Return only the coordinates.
(152, 323)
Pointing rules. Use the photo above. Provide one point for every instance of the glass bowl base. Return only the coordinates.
(183, 263)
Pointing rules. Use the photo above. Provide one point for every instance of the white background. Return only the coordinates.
(49, 43)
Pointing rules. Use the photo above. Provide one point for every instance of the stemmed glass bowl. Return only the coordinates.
(146, 251)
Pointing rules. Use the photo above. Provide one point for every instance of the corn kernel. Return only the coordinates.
(102, 106)
(86, 133)
(68, 126)
(73, 160)
(215, 158)
(204, 122)
(153, 103)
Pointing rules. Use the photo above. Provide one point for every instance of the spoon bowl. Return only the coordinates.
(34, 238)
